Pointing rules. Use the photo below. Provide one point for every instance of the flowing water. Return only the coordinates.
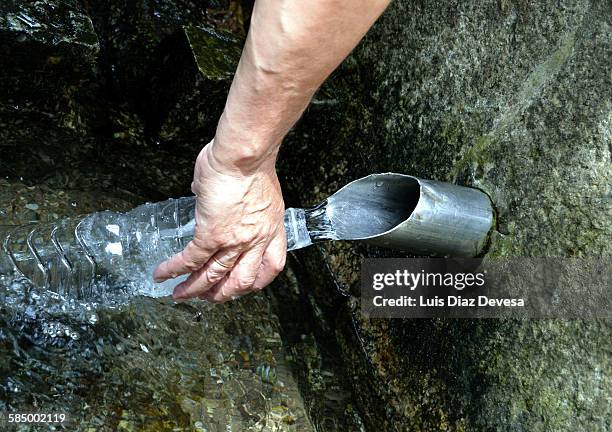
(114, 254)
(117, 362)
(113, 360)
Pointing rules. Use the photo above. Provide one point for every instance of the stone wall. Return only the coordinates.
(511, 97)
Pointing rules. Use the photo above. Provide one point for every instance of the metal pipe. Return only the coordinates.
(424, 217)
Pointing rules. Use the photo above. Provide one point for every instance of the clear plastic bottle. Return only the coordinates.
(111, 249)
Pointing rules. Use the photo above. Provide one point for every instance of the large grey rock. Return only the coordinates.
(512, 98)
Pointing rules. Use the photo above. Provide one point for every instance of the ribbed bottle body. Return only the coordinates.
(105, 249)
(126, 247)
(111, 250)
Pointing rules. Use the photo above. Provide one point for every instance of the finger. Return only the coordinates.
(217, 294)
(205, 278)
(273, 262)
(190, 259)
(240, 280)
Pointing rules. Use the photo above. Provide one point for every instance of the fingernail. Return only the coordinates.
(158, 275)
(178, 292)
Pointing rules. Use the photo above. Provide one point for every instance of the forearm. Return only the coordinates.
(239, 244)
(292, 47)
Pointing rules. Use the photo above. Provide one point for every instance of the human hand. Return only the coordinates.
(239, 245)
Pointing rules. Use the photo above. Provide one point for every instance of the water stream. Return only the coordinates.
(80, 338)
(119, 361)
(114, 254)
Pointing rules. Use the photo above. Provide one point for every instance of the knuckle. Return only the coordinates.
(217, 270)
(245, 283)
(200, 243)
(214, 276)
(191, 265)
(278, 266)
(246, 237)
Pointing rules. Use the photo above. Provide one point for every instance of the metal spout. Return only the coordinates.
(423, 217)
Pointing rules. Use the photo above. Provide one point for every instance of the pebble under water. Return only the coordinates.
(117, 362)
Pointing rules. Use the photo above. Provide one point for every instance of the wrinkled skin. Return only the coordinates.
(239, 244)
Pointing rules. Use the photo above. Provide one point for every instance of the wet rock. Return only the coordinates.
(47, 50)
(44, 39)
(316, 357)
(44, 153)
(130, 33)
(515, 100)
(58, 117)
(18, 203)
(189, 91)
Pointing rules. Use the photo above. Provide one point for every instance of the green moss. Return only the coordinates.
(482, 151)
(216, 53)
